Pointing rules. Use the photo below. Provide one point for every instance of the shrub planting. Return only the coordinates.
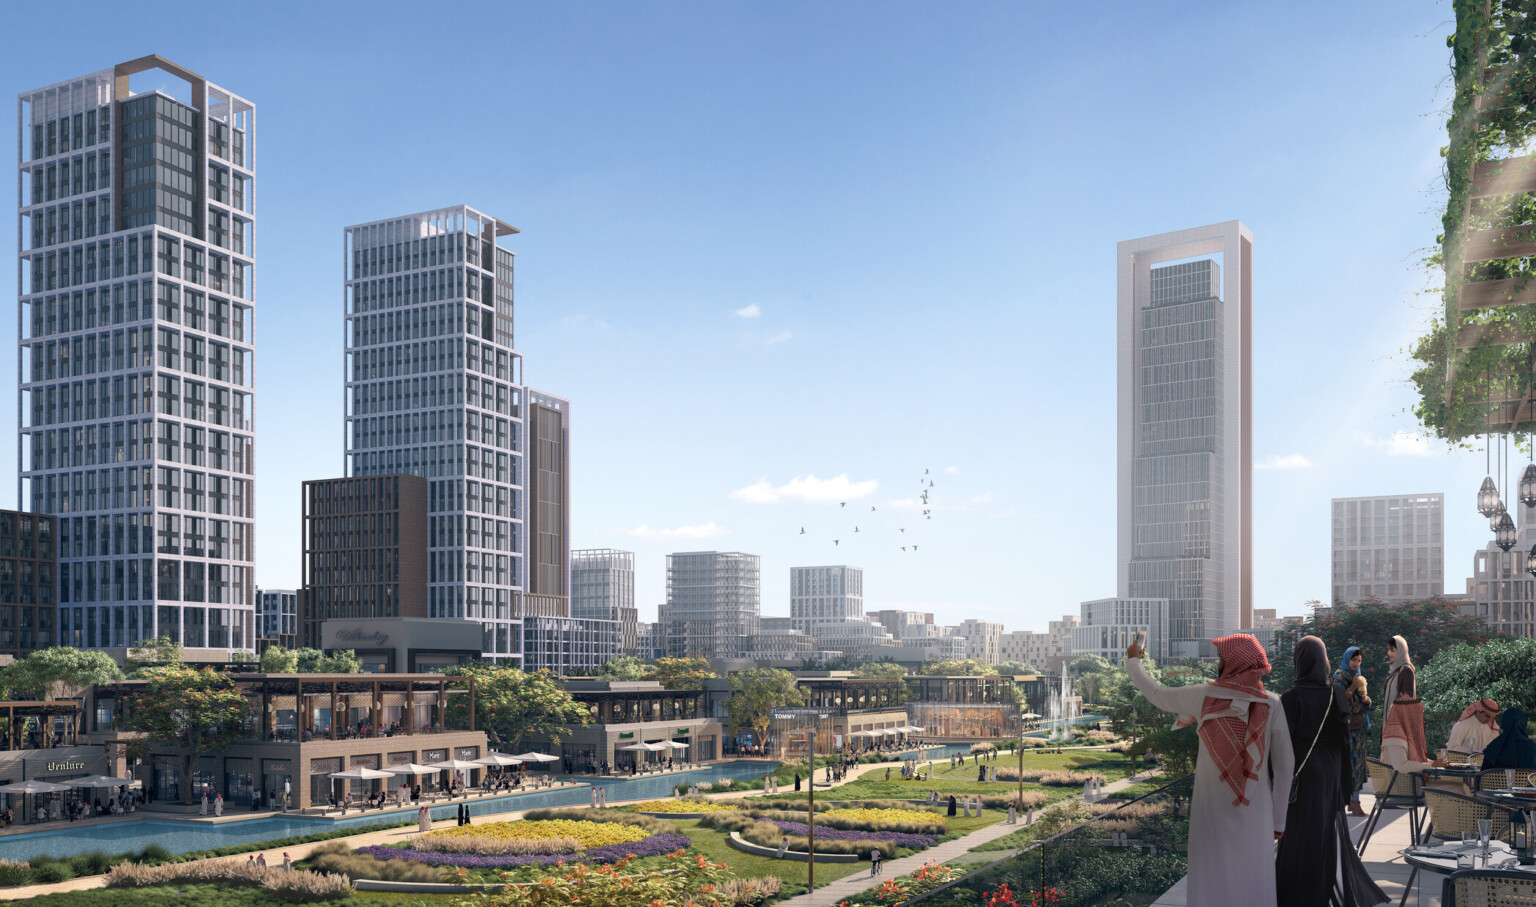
(584, 833)
(52, 873)
(623, 817)
(337, 858)
(1050, 777)
(298, 885)
(653, 846)
(684, 805)
(13, 873)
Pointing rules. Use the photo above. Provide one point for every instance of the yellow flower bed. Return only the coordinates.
(682, 806)
(589, 834)
(878, 817)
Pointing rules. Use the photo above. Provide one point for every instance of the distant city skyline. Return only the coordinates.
(784, 258)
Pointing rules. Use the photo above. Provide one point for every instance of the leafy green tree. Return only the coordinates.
(1503, 670)
(754, 694)
(1429, 627)
(683, 673)
(278, 660)
(58, 671)
(626, 667)
(1090, 664)
(190, 712)
(881, 670)
(512, 705)
(957, 667)
(152, 656)
(1016, 667)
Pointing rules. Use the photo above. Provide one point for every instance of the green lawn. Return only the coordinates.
(218, 896)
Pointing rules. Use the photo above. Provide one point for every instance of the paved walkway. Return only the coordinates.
(850, 885)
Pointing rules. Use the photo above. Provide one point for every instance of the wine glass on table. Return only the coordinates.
(1484, 829)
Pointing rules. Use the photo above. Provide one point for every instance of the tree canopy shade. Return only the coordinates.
(683, 673)
(512, 704)
(754, 694)
(1090, 664)
(1016, 667)
(58, 671)
(1503, 670)
(957, 667)
(1429, 627)
(191, 712)
(278, 660)
(152, 655)
(881, 670)
(626, 667)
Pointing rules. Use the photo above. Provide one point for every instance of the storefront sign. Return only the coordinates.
(627, 735)
(681, 730)
(69, 766)
(377, 637)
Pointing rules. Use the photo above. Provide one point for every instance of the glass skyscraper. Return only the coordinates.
(1184, 431)
(136, 255)
(435, 389)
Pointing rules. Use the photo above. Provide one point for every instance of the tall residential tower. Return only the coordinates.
(136, 284)
(1184, 428)
(435, 389)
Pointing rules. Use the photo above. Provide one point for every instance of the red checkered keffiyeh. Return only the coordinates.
(1237, 744)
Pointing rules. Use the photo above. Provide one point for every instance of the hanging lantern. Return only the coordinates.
(1493, 518)
(1488, 497)
(1530, 561)
(1504, 535)
(1528, 486)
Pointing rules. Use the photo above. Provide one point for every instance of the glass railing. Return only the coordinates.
(1077, 855)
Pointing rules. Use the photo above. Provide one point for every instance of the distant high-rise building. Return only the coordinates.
(29, 570)
(645, 640)
(136, 255)
(827, 604)
(577, 646)
(1388, 548)
(1108, 625)
(603, 588)
(1185, 429)
(983, 640)
(901, 623)
(365, 550)
(1500, 590)
(713, 601)
(435, 389)
(277, 619)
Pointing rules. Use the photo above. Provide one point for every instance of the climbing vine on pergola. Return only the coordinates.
(1477, 363)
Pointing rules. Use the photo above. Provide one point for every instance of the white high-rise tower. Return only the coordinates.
(1185, 430)
(136, 345)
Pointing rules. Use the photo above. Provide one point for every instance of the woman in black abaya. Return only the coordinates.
(1315, 864)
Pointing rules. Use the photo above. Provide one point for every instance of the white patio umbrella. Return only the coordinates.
(98, 781)
(411, 768)
(498, 759)
(359, 774)
(537, 757)
(673, 744)
(33, 787)
(455, 765)
(642, 748)
(912, 730)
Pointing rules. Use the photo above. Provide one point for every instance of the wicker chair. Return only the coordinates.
(1451, 815)
(1498, 779)
(1394, 790)
(1489, 888)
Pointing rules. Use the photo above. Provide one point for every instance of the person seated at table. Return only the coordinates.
(1476, 728)
(1513, 748)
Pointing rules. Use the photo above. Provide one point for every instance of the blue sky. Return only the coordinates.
(765, 242)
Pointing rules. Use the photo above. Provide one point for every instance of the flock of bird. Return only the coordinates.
(927, 514)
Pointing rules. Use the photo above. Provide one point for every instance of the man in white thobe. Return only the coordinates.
(1236, 814)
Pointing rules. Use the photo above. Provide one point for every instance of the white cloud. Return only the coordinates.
(1287, 461)
(982, 498)
(951, 470)
(807, 488)
(1404, 444)
(780, 337)
(749, 311)
(702, 531)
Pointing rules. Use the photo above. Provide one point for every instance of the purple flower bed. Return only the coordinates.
(899, 838)
(654, 846)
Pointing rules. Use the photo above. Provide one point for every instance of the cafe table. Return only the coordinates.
(1434, 863)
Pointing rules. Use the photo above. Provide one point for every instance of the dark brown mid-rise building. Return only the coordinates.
(28, 587)
(365, 550)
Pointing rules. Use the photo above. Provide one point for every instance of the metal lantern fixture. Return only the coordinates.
(1520, 836)
(1530, 561)
(1504, 534)
(1488, 497)
(1528, 486)
(1498, 513)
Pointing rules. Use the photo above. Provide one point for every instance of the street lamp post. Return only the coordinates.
(1021, 765)
(810, 819)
